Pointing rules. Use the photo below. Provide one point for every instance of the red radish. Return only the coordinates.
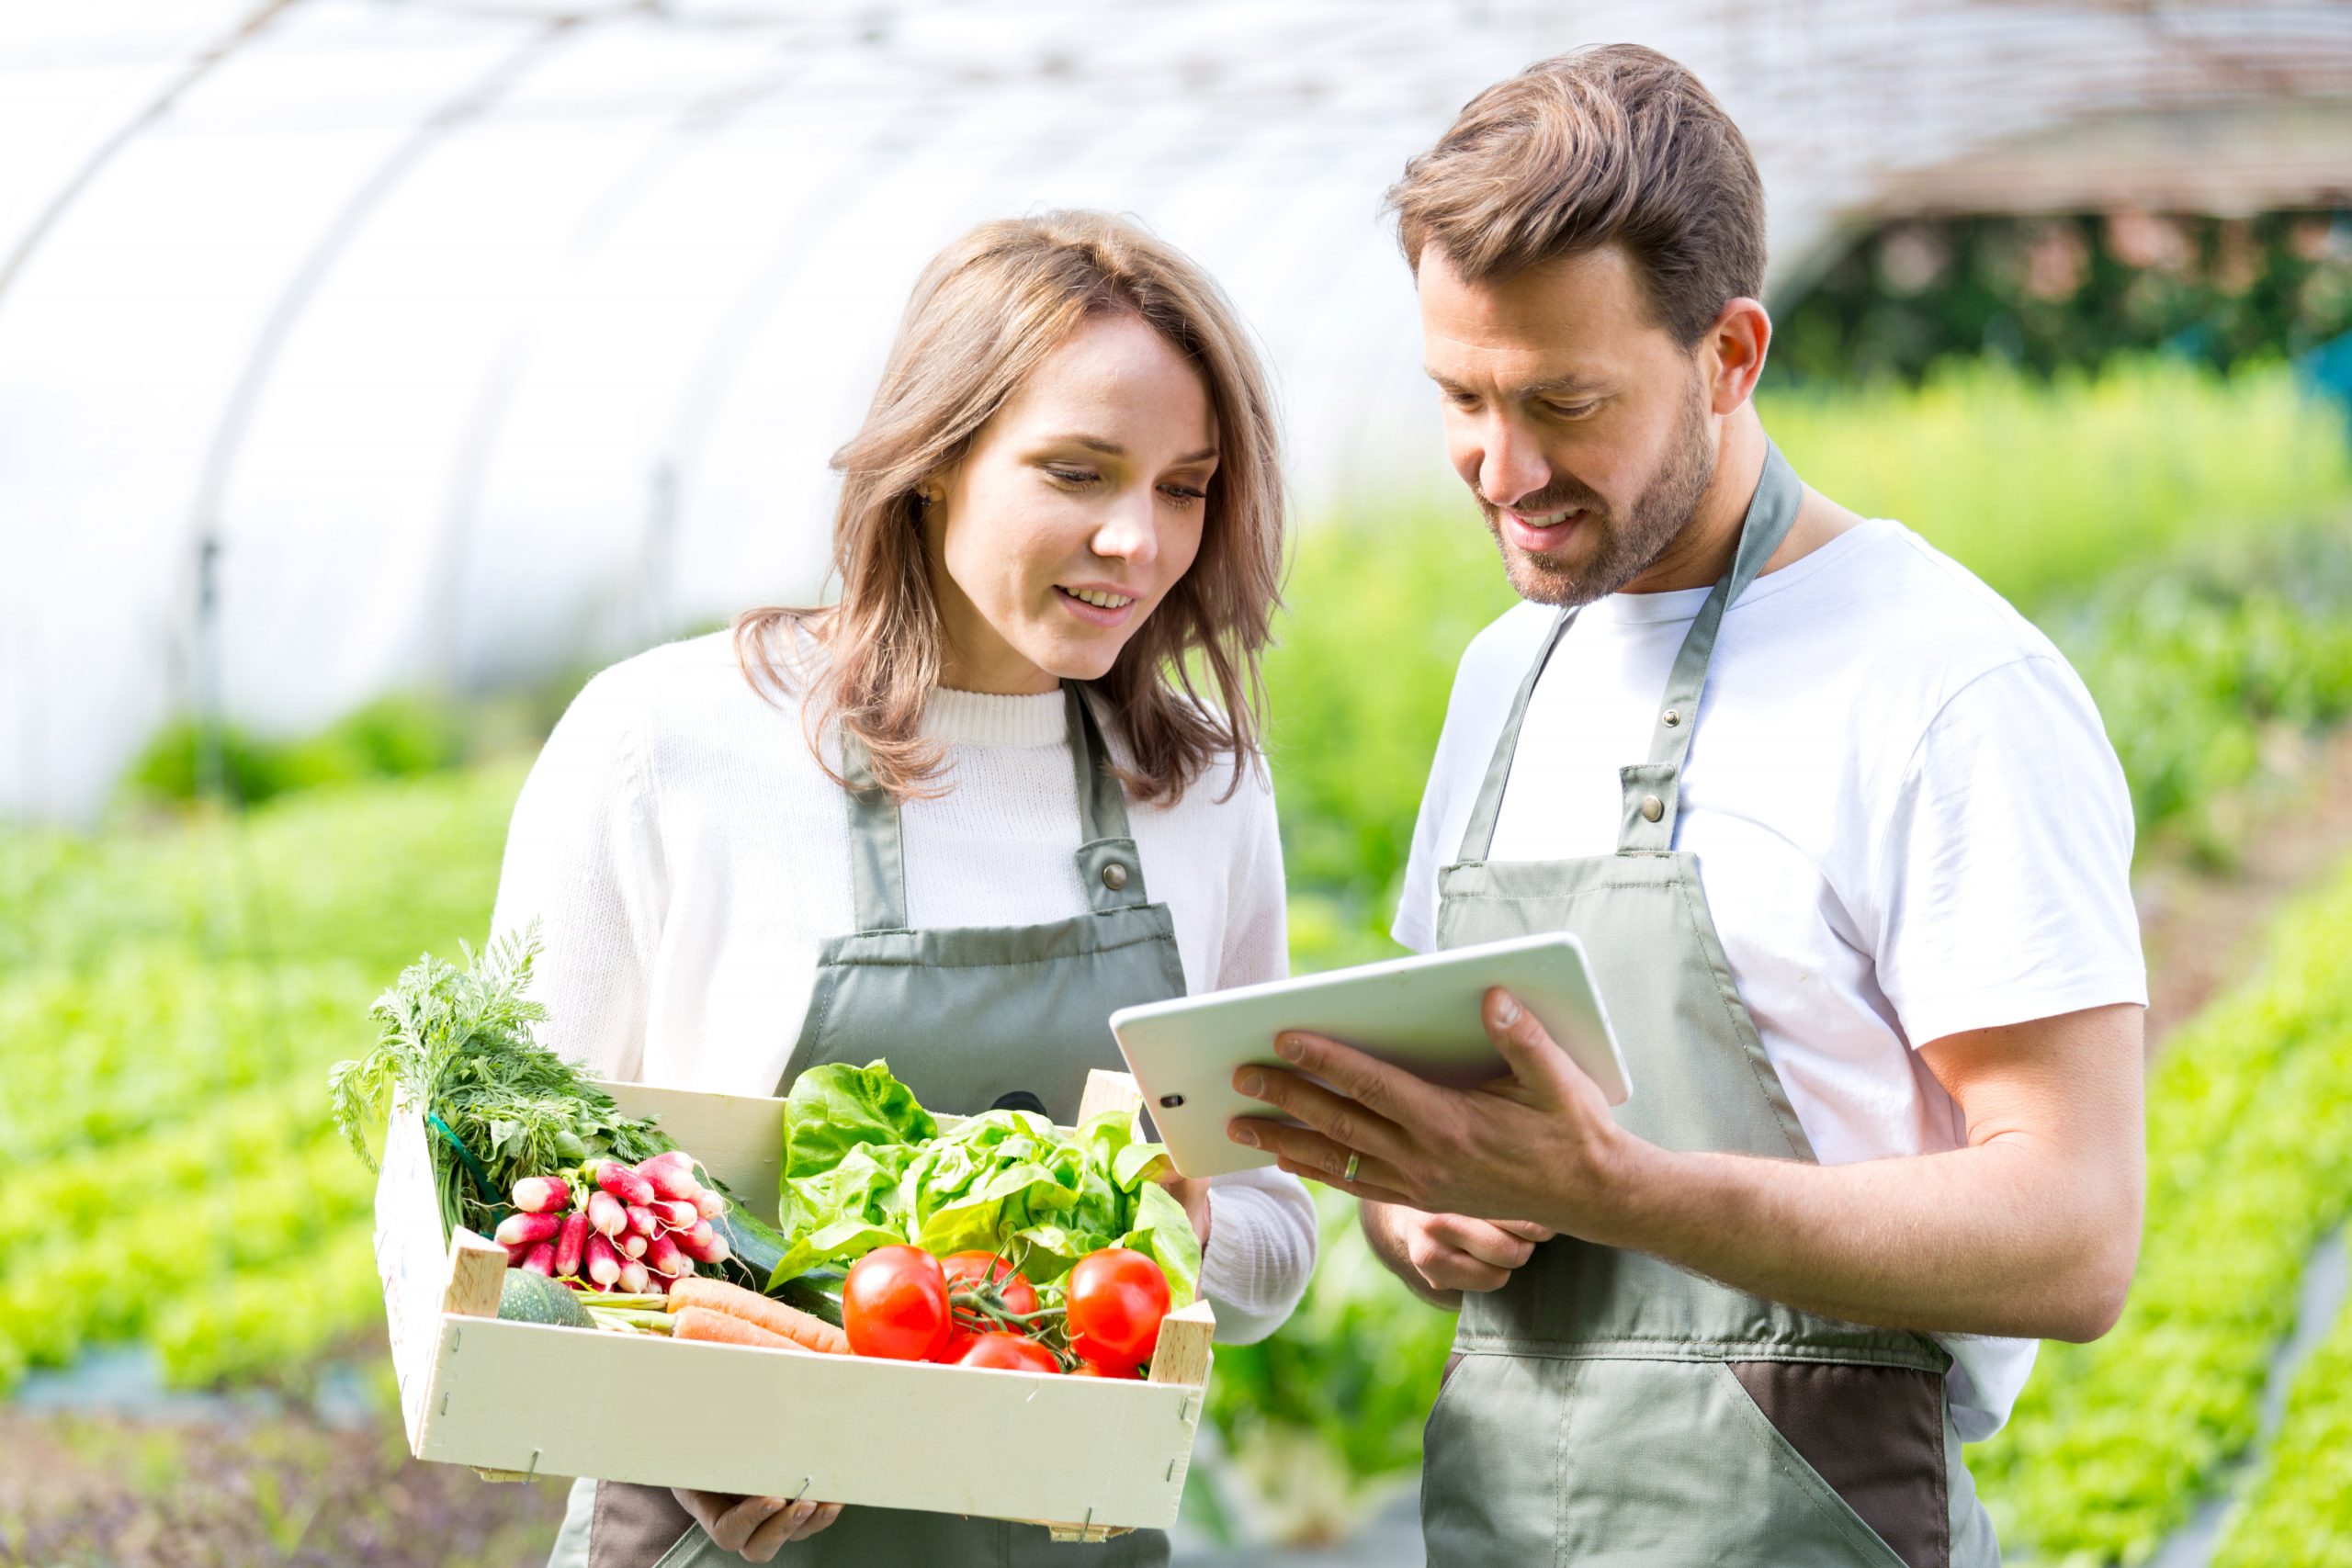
(674, 1215)
(516, 1229)
(608, 1213)
(571, 1245)
(603, 1263)
(641, 1220)
(704, 1245)
(632, 1245)
(710, 1204)
(662, 1257)
(517, 1254)
(678, 1159)
(624, 1183)
(632, 1279)
(542, 1259)
(671, 1177)
(542, 1195)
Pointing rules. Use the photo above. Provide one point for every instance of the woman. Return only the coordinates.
(847, 833)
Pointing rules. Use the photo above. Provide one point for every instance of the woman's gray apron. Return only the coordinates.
(1604, 1407)
(967, 1018)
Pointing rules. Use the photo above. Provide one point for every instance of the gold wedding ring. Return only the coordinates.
(1349, 1174)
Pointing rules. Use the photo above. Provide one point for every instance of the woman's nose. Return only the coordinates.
(1130, 534)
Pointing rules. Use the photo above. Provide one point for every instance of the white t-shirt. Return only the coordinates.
(1907, 818)
(686, 858)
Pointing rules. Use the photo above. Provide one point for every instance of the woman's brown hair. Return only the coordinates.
(986, 312)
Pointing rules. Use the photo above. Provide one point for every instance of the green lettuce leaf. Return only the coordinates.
(864, 1165)
(834, 1108)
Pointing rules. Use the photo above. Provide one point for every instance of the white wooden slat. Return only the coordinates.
(549, 1401)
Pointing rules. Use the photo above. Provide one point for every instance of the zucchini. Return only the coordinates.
(817, 1292)
(526, 1297)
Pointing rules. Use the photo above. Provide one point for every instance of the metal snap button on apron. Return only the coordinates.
(1114, 876)
(1589, 1339)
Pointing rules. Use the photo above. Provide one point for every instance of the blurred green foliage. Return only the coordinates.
(2299, 1508)
(2249, 1165)
(2071, 290)
(400, 736)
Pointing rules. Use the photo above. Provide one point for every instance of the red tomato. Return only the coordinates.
(1093, 1370)
(959, 1339)
(894, 1305)
(1117, 1297)
(970, 1268)
(1014, 1352)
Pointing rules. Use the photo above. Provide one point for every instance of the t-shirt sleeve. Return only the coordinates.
(1433, 849)
(583, 864)
(2003, 873)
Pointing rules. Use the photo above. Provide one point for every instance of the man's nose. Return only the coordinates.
(1511, 467)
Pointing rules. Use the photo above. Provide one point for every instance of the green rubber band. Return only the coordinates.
(490, 1196)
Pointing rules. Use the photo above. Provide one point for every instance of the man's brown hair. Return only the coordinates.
(1614, 144)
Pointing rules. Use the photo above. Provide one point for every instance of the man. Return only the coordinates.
(1849, 853)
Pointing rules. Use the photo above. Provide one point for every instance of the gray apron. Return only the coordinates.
(1604, 1407)
(968, 1018)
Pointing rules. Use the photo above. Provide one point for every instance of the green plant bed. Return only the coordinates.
(2249, 1166)
(2298, 1511)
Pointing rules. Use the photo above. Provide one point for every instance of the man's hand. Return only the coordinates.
(1441, 1256)
(1538, 1145)
(755, 1528)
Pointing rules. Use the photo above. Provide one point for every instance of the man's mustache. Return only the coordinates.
(1546, 503)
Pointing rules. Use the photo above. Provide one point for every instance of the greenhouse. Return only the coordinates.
(373, 373)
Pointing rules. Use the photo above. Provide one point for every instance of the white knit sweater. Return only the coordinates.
(685, 858)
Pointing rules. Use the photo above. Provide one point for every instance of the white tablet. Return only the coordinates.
(1420, 1013)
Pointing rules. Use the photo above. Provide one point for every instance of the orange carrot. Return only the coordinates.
(804, 1329)
(724, 1328)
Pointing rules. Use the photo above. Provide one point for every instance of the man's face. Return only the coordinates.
(1580, 424)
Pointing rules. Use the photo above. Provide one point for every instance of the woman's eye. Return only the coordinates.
(1072, 477)
(1183, 495)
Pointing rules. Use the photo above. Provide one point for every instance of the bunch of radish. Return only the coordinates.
(616, 1228)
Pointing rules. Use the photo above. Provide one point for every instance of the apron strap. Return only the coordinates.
(1109, 869)
(1652, 790)
(877, 851)
(1480, 836)
(1108, 866)
(1653, 785)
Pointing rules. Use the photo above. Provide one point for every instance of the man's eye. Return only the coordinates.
(1571, 410)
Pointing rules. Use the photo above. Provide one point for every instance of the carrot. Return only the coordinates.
(805, 1329)
(725, 1328)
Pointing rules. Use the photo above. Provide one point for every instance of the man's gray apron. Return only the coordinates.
(967, 1018)
(1606, 1407)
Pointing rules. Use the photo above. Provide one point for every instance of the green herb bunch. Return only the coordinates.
(456, 1047)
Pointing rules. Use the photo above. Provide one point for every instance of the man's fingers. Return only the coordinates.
(1488, 1243)
(1388, 1092)
(1527, 1230)
(1351, 1125)
(1535, 1059)
(785, 1527)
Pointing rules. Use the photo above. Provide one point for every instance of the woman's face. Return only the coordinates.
(1078, 507)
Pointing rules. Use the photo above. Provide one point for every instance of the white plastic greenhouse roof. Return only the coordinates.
(468, 341)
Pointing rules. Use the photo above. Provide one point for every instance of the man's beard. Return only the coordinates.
(1628, 547)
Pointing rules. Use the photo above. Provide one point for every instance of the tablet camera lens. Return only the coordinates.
(1172, 1100)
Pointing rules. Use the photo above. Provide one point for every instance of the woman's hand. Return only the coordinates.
(756, 1527)
(1191, 1191)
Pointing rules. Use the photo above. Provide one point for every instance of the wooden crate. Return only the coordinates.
(1087, 1456)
